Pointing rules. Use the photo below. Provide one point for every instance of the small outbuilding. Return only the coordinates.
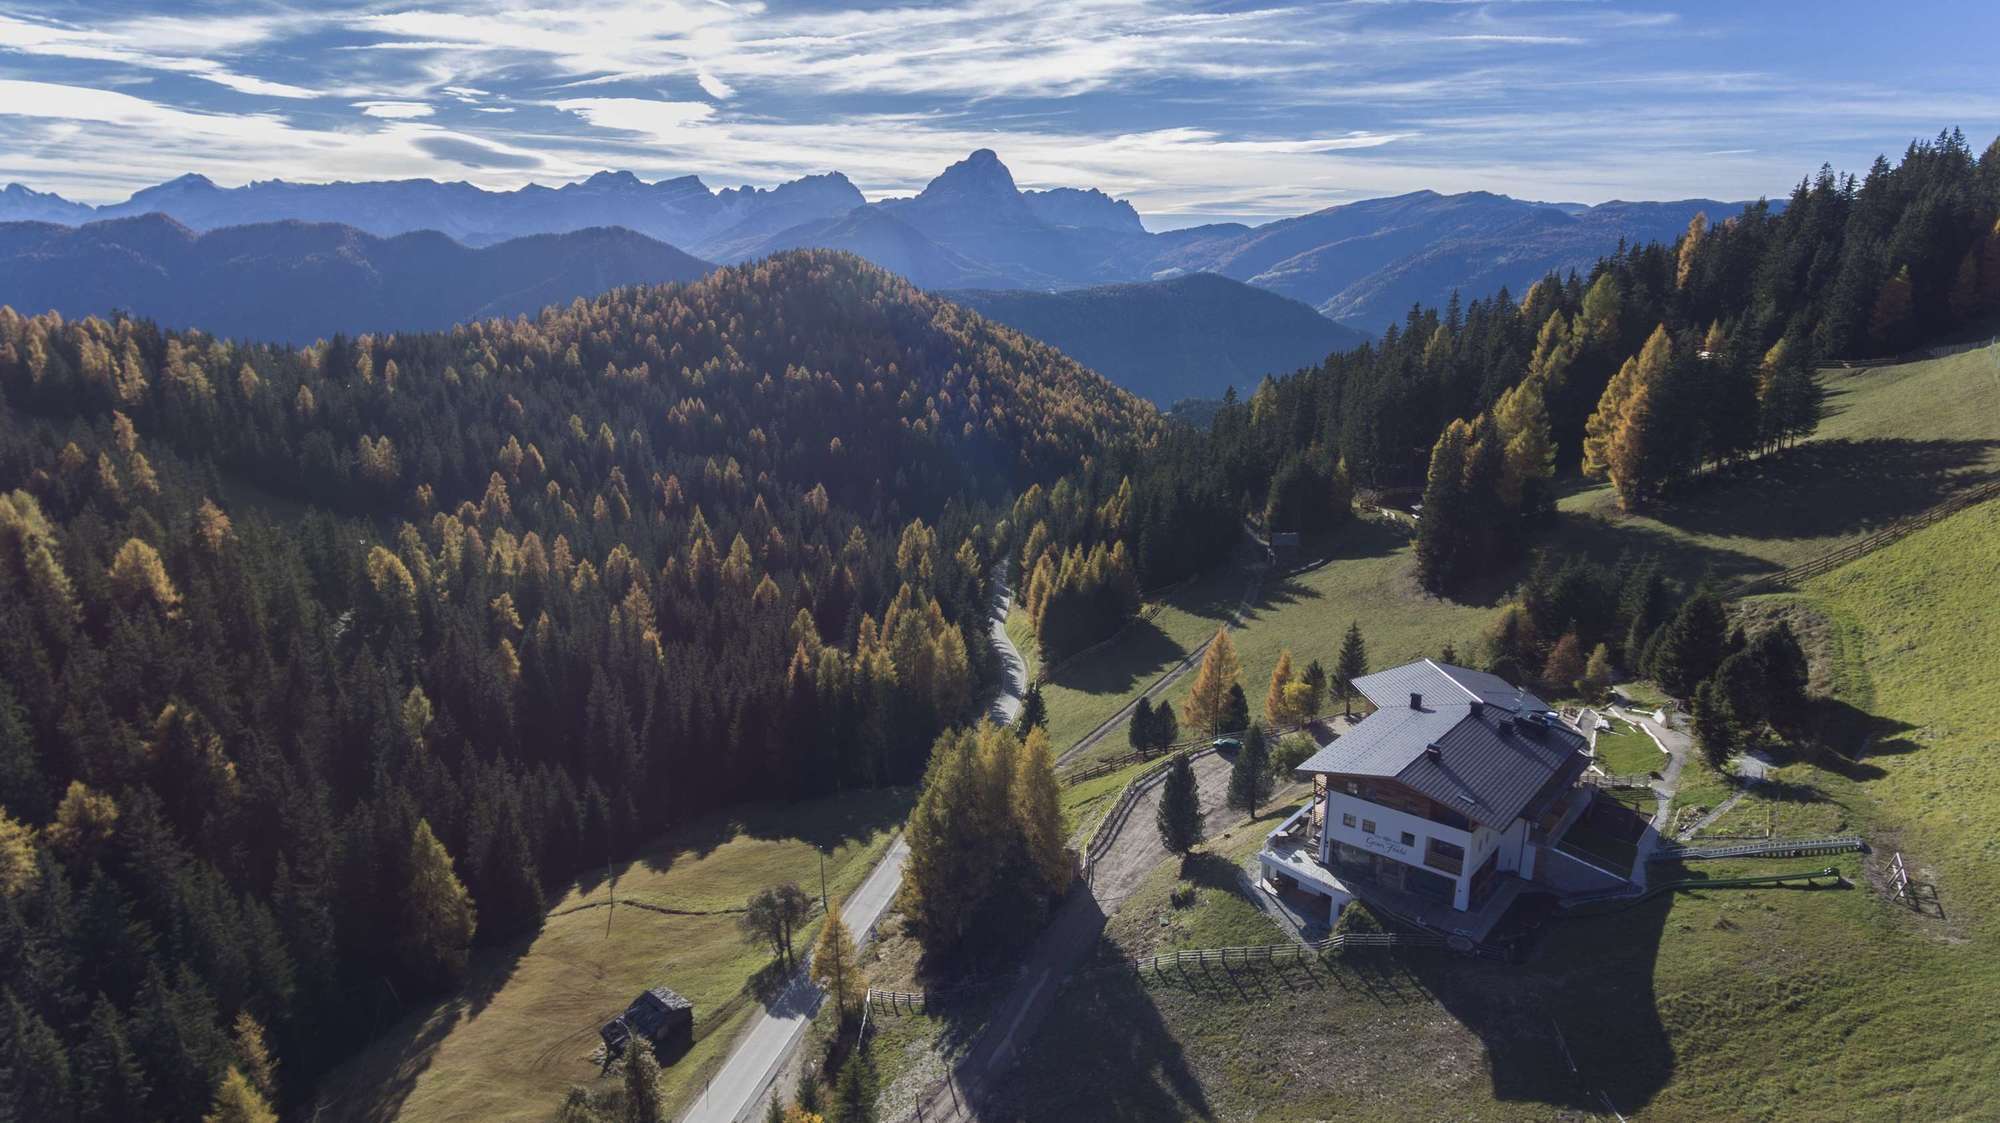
(1284, 548)
(658, 1015)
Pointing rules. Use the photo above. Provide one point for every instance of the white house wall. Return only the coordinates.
(1516, 855)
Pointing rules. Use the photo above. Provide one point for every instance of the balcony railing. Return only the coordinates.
(1442, 862)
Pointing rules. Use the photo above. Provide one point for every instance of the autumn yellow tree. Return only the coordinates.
(836, 967)
(237, 1101)
(1620, 440)
(140, 577)
(1219, 671)
(438, 917)
(1276, 705)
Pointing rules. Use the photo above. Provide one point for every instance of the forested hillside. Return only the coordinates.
(1187, 337)
(1664, 362)
(320, 664)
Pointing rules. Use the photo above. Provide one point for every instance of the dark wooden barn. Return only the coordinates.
(658, 1015)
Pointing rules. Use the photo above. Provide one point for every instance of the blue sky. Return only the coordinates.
(1187, 107)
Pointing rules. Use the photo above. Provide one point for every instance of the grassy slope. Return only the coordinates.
(1730, 1004)
(1759, 1004)
(1895, 440)
(524, 1030)
(1625, 750)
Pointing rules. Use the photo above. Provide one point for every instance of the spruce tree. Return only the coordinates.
(1692, 645)
(1353, 664)
(1235, 715)
(1139, 730)
(1179, 814)
(1250, 775)
(1714, 726)
(1034, 711)
(854, 1094)
(1166, 727)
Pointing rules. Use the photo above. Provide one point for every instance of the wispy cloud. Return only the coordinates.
(1255, 106)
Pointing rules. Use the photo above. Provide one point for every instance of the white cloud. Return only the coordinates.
(714, 87)
(395, 110)
(663, 120)
(166, 44)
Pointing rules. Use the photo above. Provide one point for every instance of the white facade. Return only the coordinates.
(1405, 838)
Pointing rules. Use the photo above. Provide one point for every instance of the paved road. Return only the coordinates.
(737, 1092)
(1012, 689)
(740, 1090)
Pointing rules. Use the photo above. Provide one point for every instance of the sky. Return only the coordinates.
(1191, 109)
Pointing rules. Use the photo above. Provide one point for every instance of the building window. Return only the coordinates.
(1347, 821)
(1409, 839)
(1368, 825)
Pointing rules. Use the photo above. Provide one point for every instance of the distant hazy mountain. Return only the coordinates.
(683, 211)
(296, 282)
(1362, 263)
(1189, 337)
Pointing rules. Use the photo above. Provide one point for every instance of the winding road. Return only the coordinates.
(738, 1091)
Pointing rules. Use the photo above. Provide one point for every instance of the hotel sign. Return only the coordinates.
(1394, 850)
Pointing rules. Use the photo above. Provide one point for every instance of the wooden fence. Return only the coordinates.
(1891, 533)
(1107, 831)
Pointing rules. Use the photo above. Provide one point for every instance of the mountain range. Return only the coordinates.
(972, 227)
(296, 282)
(1188, 337)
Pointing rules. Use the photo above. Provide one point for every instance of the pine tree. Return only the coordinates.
(1352, 665)
(1315, 680)
(854, 1094)
(1139, 730)
(1446, 532)
(1209, 695)
(110, 1081)
(1179, 814)
(1166, 727)
(1235, 715)
(644, 1102)
(1889, 322)
(1250, 774)
(1692, 645)
(836, 967)
(1714, 727)
(806, 1094)
(1034, 711)
(438, 915)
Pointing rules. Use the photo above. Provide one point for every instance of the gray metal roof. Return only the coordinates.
(1490, 765)
(1444, 683)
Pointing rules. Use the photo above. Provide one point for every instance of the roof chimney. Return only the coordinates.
(1416, 700)
(1477, 707)
(1433, 752)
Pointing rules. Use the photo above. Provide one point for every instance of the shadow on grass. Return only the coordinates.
(1136, 1071)
(1828, 489)
(1590, 989)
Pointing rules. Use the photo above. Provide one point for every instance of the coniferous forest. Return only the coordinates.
(322, 664)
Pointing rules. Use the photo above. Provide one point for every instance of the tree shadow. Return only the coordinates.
(1588, 990)
(1128, 664)
(1832, 488)
(1139, 1073)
